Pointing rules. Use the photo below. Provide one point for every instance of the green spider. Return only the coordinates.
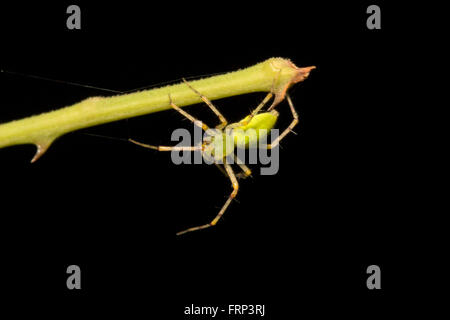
(213, 147)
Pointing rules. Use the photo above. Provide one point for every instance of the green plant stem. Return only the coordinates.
(43, 129)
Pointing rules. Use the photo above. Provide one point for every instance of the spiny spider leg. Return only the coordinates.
(263, 103)
(288, 129)
(246, 172)
(219, 166)
(167, 148)
(258, 108)
(233, 194)
(180, 148)
(223, 121)
(187, 115)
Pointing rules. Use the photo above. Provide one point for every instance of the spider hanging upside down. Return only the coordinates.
(260, 122)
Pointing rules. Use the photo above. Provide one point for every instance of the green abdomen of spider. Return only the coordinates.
(247, 133)
(243, 134)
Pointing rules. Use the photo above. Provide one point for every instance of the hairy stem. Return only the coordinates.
(43, 129)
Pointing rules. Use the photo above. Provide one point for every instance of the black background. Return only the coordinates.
(298, 242)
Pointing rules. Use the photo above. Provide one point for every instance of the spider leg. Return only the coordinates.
(166, 148)
(176, 148)
(223, 121)
(263, 103)
(288, 129)
(221, 169)
(246, 172)
(188, 116)
(258, 108)
(233, 194)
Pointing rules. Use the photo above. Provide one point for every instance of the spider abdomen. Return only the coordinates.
(248, 133)
(243, 134)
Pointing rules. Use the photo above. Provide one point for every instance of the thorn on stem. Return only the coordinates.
(42, 147)
(280, 92)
